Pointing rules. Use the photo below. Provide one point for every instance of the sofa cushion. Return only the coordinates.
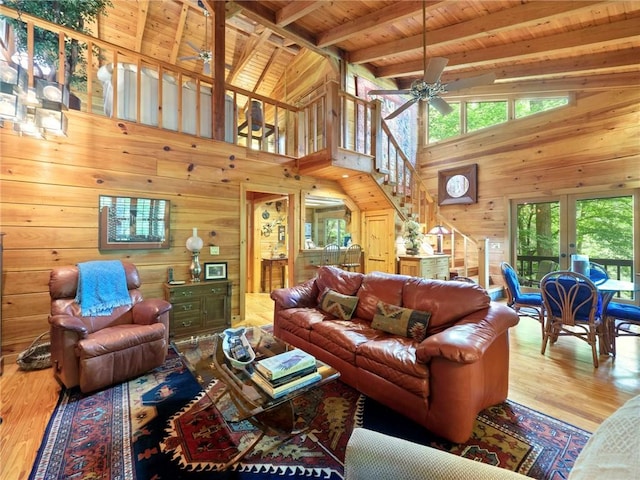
(342, 337)
(337, 304)
(448, 302)
(338, 280)
(379, 287)
(401, 321)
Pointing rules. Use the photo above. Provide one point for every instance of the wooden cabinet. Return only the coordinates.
(433, 266)
(203, 307)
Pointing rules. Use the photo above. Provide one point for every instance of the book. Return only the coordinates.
(288, 378)
(285, 388)
(284, 364)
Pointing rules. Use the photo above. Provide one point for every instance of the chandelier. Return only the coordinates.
(36, 110)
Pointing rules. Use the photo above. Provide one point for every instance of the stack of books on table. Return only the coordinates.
(286, 372)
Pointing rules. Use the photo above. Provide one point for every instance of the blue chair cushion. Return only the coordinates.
(533, 299)
(583, 293)
(512, 282)
(623, 311)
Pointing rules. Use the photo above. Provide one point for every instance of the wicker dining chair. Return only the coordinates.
(519, 301)
(622, 320)
(573, 308)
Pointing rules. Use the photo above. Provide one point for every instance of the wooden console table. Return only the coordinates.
(425, 266)
(268, 264)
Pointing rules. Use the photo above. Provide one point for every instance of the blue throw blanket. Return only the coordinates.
(102, 286)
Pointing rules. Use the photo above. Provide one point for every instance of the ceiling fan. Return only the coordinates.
(429, 88)
(202, 53)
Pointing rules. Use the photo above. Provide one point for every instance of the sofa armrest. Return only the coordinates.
(467, 340)
(371, 454)
(149, 311)
(303, 295)
(68, 322)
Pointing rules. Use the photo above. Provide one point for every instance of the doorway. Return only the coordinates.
(268, 226)
(603, 226)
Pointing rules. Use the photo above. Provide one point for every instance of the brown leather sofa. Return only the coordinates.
(443, 382)
(94, 352)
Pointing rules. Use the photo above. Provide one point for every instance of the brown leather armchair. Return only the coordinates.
(94, 352)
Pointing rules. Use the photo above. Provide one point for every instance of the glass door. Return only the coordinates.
(546, 232)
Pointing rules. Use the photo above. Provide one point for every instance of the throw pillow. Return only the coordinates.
(337, 304)
(401, 321)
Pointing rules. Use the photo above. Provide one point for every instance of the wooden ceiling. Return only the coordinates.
(535, 42)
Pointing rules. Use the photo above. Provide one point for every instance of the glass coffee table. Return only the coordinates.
(204, 358)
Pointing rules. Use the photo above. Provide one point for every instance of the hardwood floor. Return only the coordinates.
(562, 383)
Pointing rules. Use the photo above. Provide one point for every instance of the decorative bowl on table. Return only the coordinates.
(237, 348)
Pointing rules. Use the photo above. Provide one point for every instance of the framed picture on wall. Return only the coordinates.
(458, 185)
(215, 271)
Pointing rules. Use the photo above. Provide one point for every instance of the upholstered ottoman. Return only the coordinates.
(612, 453)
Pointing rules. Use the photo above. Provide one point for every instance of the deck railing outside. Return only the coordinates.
(618, 269)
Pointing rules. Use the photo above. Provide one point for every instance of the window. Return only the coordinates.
(485, 114)
(469, 116)
(444, 126)
(529, 106)
(335, 230)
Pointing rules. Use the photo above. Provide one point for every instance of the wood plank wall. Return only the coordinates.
(592, 145)
(49, 205)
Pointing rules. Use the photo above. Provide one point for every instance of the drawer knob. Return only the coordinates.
(186, 324)
(187, 307)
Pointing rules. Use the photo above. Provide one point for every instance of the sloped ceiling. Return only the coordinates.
(524, 42)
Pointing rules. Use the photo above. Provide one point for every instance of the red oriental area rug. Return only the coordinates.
(163, 426)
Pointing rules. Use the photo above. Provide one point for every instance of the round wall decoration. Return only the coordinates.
(458, 185)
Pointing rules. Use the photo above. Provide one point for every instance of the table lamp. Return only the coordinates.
(439, 230)
(194, 244)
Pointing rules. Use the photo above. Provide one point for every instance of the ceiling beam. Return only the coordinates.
(521, 17)
(375, 20)
(250, 50)
(612, 81)
(595, 64)
(295, 11)
(259, 13)
(177, 40)
(143, 11)
(572, 43)
(265, 71)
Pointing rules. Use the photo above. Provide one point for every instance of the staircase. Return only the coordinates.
(362, 155)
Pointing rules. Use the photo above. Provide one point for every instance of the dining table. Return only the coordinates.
(608, 289)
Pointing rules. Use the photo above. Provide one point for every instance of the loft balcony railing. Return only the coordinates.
(118, 83)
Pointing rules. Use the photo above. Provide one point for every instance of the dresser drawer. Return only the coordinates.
(199, 308)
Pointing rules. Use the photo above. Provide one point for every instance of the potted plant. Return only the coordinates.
(413, 236)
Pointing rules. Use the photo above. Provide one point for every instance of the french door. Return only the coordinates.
(603, 226)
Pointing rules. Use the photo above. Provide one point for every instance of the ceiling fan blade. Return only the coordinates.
(435, 69)
(189, 58)
(196, 49)
(207, 68)
(388, 92)
(441, 105)
(463, 83)
(401, 109)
